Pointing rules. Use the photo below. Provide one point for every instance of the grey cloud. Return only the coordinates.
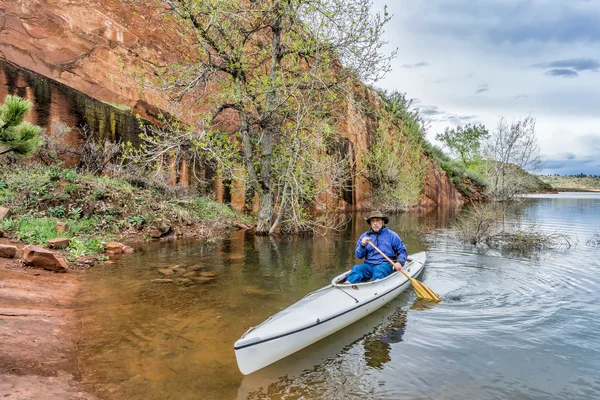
(458, 119)
(562, 72)
(501, 21)
(417, 65)
(578, 64)
(429, 111)
(433, 113)
(570, 164)
(520, 96)
(482, 88)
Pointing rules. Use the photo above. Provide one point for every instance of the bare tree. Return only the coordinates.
(510, 149)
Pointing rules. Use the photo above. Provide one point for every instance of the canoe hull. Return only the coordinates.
(318, 315)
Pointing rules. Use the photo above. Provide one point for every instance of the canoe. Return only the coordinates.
(318, 315)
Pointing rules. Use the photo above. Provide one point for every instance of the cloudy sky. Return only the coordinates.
(477, 61)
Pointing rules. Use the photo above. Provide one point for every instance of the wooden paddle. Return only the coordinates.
(422, 290)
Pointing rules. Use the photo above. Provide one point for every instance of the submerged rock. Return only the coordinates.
(207, 274)
(162, 280)
(202, 279)
(166, 271)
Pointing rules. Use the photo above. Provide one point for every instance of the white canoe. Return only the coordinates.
(319, 314)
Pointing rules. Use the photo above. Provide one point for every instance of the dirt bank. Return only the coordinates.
(38, 333)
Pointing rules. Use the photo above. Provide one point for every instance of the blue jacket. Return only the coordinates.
(387, 241)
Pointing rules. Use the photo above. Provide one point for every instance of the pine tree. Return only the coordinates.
(16, 135)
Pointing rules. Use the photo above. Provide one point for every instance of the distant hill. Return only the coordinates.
(572, 183)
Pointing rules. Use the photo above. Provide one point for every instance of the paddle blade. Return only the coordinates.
(424, 292)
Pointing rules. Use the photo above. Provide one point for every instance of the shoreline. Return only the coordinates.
(39, 324)
(39, 335)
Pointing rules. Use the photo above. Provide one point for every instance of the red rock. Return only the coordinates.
(128, 250)
(59, 243)
(39, 257)
(61, 227)
(7, 250)
(155, 233)
(114, 248)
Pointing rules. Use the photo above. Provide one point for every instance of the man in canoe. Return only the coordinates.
(375, 265)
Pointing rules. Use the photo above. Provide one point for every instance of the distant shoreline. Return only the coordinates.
(578, 190)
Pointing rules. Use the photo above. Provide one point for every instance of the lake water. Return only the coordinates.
(510, 326)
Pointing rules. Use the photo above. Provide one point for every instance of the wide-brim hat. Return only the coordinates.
(377, 214)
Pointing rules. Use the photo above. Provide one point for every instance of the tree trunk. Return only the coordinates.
(265, 213)
(267, 195)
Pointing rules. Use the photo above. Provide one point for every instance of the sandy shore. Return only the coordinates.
(38, 333)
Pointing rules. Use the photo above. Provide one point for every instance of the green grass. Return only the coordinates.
(97, 209)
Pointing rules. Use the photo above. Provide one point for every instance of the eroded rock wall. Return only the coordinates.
(94, 48)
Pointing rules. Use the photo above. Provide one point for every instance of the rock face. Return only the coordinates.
(439, 190)
(7, 250)
(4, 212)
(41, 258)
(63, 54)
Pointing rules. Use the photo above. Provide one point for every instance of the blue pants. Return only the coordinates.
(366, 271)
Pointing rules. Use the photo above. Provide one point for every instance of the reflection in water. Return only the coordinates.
(509, 327)
(377, 346)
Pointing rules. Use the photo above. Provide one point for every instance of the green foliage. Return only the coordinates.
(394, 164)
(84, 247)
(35, 230)
(9, 224)
(37, 196)
(464, 142)
(57, 212)
(136, 220)
(406, 120)
(277, 69)
(16, 135)
(74, 213)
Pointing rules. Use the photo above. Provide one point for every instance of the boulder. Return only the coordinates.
(128, 250)
(61, 227)
(155, 233)
(59, 243)
(208, 274)
(164, 229)
(166, 271)
(4, 212)
(7, 251)
(39, 257)
(114, 248)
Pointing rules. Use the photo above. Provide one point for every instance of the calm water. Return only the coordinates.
(509, 326)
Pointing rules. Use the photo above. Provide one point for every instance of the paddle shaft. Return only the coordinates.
(386, 257)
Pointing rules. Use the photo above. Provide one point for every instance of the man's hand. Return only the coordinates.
(397, 266)
(364, 241)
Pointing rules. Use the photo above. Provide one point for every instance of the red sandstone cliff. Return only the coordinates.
(95, 46)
